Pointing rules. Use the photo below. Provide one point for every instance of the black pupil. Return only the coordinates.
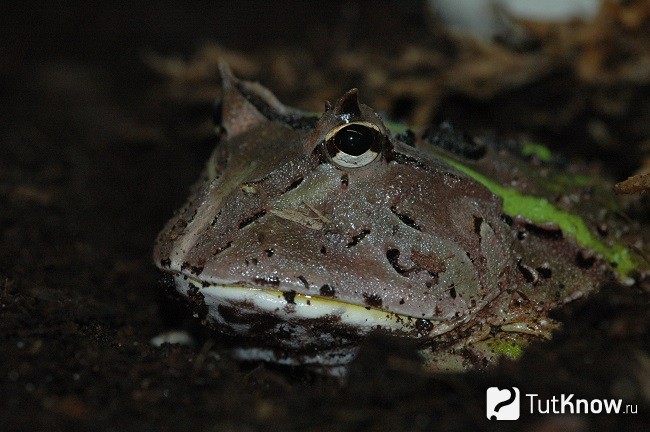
(355, 139)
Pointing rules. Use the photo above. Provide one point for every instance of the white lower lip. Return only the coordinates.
(304, 307)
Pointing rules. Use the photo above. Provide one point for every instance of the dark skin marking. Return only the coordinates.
(345, 181)
(304, 281)
(477, 225)
(423, 326)
(585, 259)
(290, 297)
(406, 219)
(549, 231)
(251, 219)
(294, 185)
(392, 255)
(403, 159)
(218, 250)
(216, 218)
(197, 301)
(372, 300)
(197, 270)
(544, 272)
(269, 280)
(181, 223)
(357, 238)
(452, 176)
(327, 291)
(530, 274)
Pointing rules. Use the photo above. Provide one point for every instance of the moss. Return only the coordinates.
(543, 153)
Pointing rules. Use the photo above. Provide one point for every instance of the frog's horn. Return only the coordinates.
(237, 113)
(348, 105)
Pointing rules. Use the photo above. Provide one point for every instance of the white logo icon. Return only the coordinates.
(502, 403)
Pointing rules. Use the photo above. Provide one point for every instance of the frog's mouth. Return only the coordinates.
(240, 308)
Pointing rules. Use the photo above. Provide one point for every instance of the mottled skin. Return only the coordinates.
(406, 233)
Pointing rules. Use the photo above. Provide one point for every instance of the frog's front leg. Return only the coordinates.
(503, 331)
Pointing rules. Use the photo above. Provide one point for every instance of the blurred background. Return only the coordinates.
(575, 74)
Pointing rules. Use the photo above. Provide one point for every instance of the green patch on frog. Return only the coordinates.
(508, 348)
(539, 210)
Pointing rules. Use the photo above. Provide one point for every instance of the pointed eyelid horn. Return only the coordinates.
(347, 107)
(238, 114)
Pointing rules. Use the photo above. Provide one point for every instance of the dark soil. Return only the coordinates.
(98, 147)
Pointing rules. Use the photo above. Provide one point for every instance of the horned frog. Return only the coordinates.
(305, 234)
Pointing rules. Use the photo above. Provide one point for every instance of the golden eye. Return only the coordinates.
(354, 145)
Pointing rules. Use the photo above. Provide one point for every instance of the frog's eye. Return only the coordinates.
(354, 145)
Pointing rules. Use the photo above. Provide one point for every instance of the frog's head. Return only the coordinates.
(301, 225)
